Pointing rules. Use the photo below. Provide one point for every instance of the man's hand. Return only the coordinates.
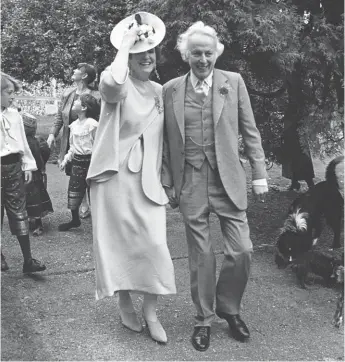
(27, 177)
(260, 192)
(51, 141)
(170, 192)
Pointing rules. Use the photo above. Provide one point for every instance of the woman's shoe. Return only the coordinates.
(157, 332)
(131, 321)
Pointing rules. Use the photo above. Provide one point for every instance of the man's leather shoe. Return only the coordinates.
(201, 338)
(237, 327)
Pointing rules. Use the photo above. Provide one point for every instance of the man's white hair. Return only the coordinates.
(200, 28)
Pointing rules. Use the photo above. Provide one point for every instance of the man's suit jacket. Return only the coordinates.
(232, 113)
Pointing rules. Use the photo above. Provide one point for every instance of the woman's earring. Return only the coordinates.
(157, 75)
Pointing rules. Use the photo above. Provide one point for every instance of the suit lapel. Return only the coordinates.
(178, 96)
(219, 82)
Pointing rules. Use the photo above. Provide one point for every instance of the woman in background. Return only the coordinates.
(83, 77)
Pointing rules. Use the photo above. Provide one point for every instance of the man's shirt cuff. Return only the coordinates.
(260, 182)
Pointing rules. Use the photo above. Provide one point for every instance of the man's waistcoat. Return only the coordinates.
(199, 128)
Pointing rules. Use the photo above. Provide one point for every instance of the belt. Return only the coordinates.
(11, 158)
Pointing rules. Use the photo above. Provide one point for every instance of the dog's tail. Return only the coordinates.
(297, 221)
(331, 176)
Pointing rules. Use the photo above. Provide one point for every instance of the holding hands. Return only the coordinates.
(170, 192)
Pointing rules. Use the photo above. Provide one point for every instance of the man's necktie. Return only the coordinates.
(202, 87)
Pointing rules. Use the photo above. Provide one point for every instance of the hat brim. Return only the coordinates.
(117, 33)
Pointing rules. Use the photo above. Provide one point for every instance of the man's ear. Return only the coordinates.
(84, 76)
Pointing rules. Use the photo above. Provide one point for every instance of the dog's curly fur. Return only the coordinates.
(303, 225)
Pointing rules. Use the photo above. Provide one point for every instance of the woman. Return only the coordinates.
(127, 198)
(83, 76)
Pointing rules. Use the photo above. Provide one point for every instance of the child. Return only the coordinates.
(16, 159)
(82, 135)
(38, 202)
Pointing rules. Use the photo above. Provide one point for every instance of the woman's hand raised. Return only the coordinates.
(130, 37)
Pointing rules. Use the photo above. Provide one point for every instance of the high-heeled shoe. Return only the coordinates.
(157, 332)
(131, 321)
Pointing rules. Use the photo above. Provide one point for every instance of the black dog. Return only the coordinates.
(323, 264)
(303, 225)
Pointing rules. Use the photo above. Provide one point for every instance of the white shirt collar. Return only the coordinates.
(195, 80)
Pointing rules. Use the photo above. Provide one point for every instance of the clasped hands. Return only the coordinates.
(170, 192)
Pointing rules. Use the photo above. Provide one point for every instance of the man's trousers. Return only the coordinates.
(201, 194)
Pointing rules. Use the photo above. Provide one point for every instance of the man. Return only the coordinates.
(202, 173)
(83, 76)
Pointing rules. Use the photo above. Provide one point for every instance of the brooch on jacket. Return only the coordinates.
(158, 104)
(224, 90)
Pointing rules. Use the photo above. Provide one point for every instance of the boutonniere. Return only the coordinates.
(224, 90)
(159, 104)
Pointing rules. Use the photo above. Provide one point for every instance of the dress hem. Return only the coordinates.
(106, 295)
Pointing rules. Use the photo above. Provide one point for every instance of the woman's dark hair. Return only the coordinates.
(89, 70)
(92, 106)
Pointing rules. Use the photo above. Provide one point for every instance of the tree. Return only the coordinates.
(289, 52)
(44, 39)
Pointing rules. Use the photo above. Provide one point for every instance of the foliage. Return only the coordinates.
(44, 39)
(36, 89)
(290, 52)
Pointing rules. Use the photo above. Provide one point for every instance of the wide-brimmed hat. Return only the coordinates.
(153, 31)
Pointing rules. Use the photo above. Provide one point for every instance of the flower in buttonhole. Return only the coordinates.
(224, 90)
